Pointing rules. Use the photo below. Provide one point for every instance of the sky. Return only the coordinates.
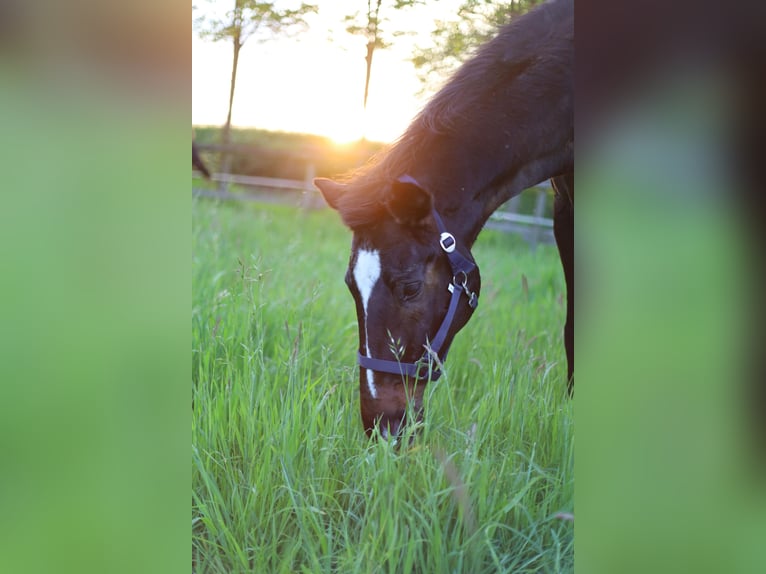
(314, 83)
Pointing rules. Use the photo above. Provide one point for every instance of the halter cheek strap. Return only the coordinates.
(461, 268)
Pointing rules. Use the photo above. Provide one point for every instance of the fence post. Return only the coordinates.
(513, 204)
(542, 196)
(225, 165)
(309, 194)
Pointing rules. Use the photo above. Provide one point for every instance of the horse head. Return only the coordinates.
(414, 285)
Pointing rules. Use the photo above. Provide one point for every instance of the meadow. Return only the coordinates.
(284, 478)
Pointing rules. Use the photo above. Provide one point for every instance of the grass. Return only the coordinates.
(284, 479)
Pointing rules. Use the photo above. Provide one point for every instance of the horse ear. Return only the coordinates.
(408, 203)
(331, 190)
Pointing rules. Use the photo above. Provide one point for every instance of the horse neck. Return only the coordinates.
(467, 193)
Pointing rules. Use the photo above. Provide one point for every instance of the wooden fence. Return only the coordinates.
(535, 228)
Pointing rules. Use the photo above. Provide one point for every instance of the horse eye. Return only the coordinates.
(411, 290)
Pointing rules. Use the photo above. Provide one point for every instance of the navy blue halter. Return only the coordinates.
(461, 268)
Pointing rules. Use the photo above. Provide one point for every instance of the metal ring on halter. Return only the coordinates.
(462, 283)
(473, 300)
(424, 370)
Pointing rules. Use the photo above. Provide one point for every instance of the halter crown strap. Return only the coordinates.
(461, 265)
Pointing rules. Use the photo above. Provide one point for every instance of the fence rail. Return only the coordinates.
(269, 182)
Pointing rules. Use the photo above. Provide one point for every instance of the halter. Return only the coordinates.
(461, 268)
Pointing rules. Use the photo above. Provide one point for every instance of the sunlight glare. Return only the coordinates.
(345, 128)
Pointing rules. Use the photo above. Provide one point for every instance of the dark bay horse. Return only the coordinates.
(502, 124)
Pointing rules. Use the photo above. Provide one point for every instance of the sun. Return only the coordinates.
(337, 114)
(345, 128)
(348, 125)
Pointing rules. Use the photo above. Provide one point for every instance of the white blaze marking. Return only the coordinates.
(366, 274)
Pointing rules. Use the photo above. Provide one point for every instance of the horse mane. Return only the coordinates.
(516, 48)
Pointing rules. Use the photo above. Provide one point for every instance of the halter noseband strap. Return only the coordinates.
(461, 268)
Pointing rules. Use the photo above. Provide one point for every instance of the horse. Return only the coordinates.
(502, 123)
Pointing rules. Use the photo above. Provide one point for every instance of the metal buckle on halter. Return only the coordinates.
(427, 368)
(447, 241)
(422, 370)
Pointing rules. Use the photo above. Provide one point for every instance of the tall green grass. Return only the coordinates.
(283, 477)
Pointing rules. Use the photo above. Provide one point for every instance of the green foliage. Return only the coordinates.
(454, 40)
(284, 479)
(369, 25)
(250, 18)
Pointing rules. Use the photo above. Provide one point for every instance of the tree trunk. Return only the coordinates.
(226, 133)
(368, 59)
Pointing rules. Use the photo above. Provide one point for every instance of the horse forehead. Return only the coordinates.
(393, 245)
(366, 265)
(366, 271)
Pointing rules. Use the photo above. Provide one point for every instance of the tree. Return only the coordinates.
(248, 19)
(369, 28)
(476, 22)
